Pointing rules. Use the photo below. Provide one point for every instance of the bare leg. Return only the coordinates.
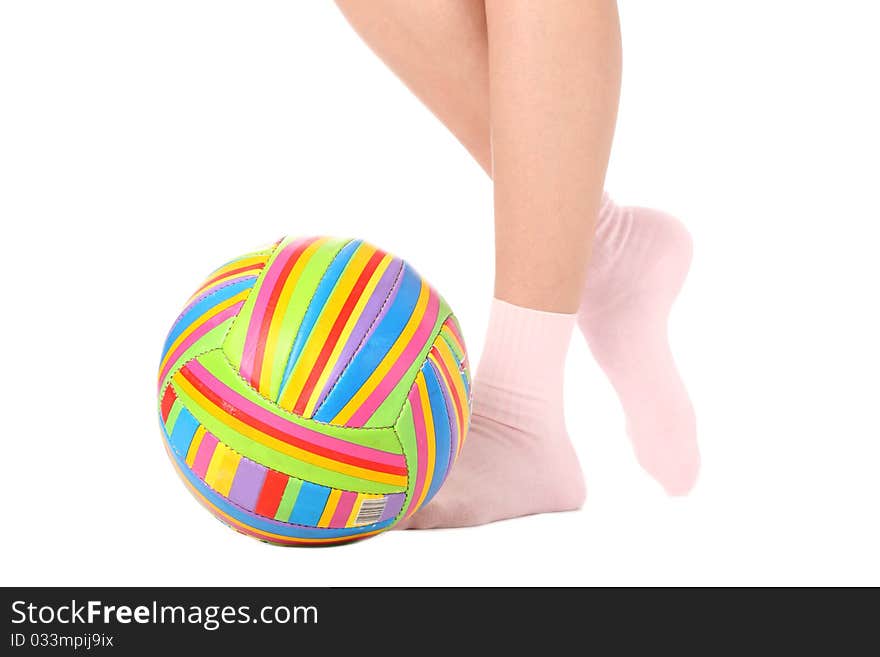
(439, 48)
(554, 87)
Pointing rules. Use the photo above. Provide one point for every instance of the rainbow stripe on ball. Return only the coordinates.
(314, 392)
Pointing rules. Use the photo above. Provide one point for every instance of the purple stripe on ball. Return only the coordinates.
(247, 484)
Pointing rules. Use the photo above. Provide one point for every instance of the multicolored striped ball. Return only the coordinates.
(314, 392)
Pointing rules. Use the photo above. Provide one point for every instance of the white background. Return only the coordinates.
(144, 143)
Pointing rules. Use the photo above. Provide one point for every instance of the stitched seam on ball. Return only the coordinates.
(309, 303)
(170, 376)
(203, 298)
(181, 365)
(463, 365)
(447, 404)
(431, 341)
(260, 277)
(290, 414)
(458, 361)
(405, 505)
(367, 334)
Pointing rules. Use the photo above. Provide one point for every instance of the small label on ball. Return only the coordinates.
(371, 510)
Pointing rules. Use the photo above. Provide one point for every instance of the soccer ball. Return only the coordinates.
(314, 392)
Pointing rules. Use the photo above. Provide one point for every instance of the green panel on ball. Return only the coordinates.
(210, 341)
(406, 433)
(236, 423)
(381, 438)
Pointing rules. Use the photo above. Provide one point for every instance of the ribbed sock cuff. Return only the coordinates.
(520, 376)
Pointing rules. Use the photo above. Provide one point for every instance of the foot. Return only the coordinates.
(505, 472)
(517, 459)
(641, 258)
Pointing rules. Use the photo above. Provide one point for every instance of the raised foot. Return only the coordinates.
(623, 316)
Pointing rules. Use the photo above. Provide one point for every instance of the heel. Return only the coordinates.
(668, 258)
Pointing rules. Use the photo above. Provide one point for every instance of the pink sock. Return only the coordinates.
(518, 459)
(640, 260)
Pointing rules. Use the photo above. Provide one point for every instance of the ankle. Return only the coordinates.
(518, 410)
(520, 376)
(613, 226)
